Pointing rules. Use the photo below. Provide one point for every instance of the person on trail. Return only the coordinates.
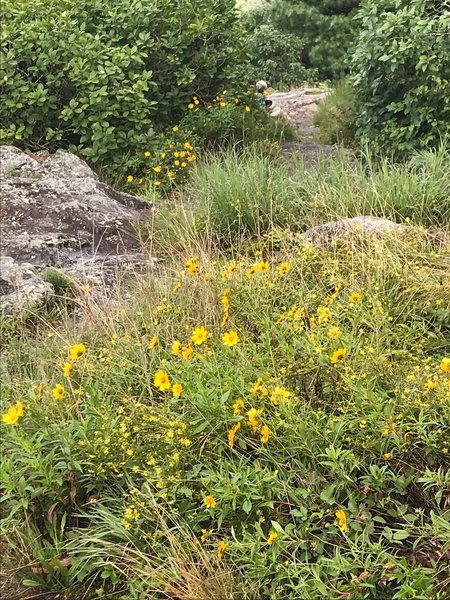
(261, 88)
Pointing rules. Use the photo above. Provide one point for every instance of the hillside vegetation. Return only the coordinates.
(264, 412)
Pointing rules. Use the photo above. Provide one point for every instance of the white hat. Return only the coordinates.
(261, 85)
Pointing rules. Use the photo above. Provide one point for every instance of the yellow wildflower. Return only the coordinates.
(67, 369)
(13, 414)
(77, 351)
(280, 393)
(229, 270)
(230, 338)
(204, 535)
(161, 380)
(238, 406)
(334, 333)
(157, 169)
(247, 109)
(251, 271)
(157, 183)
(272, 538)
(147, 154)
(200, 335)
(58, 392)
(232, 434)
(175, 128)
(210, 502)
(355, 297)
(263, 266)
(342, 519)
(130, 178)
(429, 385)
(280, 319)
(177, 389)
(323, 313)
(338, 355)
(221, 549)
(192, 267)
(176, 347)
(187, 353)
(284, 268)
(153, 342)
(265, 433)
(259, 388)
(445, 365)
(253, 415)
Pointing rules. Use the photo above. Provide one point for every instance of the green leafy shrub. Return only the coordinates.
(401, 75)
(334, 116)
(225, 122)
(325, 27)
(276, 56)
(101, 77)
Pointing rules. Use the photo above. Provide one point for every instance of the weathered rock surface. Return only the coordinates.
(56, 212)
(323, 235)
(21, 288)
(298, 105)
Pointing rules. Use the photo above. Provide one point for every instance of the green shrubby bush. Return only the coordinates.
(276, 56)
(401, 75)
(225, 122)
(325, 28)
(100, 78)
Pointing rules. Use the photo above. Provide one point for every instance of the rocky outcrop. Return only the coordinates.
(325, 234)
(298, 105)
(21, 288)
(56, 212)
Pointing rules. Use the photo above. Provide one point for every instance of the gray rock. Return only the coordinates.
(298, 105)
(21, 288)
(56, 212)
(323, 235)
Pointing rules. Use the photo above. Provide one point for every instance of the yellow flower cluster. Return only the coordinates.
(13, 414)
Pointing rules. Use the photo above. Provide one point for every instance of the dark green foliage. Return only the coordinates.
(401, 74)
(276, 56)
(235, 124)
(325, 28)
(100, 77)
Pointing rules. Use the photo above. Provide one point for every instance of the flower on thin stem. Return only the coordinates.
(342, 520)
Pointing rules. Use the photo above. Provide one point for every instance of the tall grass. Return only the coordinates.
(238, 195)
(334, 116)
